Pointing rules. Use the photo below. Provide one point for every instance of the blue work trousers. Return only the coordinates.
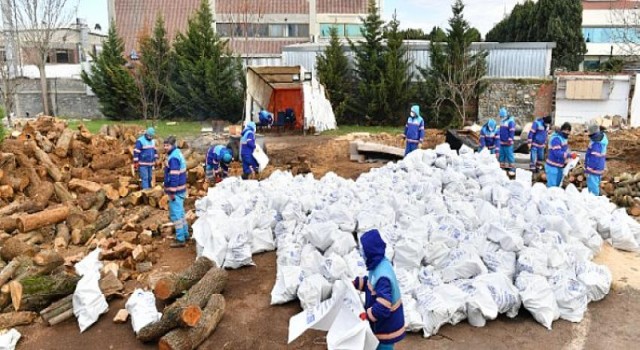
(146, 174)
(249, 164)
(554, 175)
(507, 158)
(385, 346)
(593, 183)
(411, 146)
(177, 217)
(537, 158)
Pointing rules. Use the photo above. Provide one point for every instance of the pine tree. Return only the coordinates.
(437, 34)
(454, 79)
(111, 81)
(334, 73)
(208, 80)
(155, 66)
(396, 88)
(369, 66)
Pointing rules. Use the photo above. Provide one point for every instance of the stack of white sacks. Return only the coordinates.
(466, 242)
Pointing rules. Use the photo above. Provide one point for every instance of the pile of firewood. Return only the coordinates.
(623, 190)
(41, 283)
(189, 320)
(64, 192)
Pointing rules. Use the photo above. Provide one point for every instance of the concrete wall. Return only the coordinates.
(524, 99)
(616, 90)
(67, 97)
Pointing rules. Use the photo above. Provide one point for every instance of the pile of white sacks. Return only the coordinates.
(466, 242)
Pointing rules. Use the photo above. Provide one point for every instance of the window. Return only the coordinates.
(277, 30)
(610, 35)
(258, 30)
(63, 56)
(298, 30)
(224, 29)
(344, 30)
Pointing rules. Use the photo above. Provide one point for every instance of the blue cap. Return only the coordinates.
(491, 124)
(251, 125)
(503, 112)
(226, 158)
(151, 132)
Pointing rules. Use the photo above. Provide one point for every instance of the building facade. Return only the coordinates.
(255, 28)
(611, 29)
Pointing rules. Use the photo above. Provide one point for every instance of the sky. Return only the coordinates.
(482, 14)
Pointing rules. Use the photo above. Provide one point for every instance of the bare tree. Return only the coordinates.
(246, 22)
(38, 21)
(11, 69)
(624, 30)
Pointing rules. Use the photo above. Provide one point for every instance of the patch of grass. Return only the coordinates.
(181, 129)
(348, 129)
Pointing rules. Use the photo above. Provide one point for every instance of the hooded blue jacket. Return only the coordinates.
(215, 157)
(383, 304)
(145, 153)
(414, 130)
(489, 137)
(596, 156)
(248, 140)
(175, 173)
(507, 131)
(558, 150)
(538, 134)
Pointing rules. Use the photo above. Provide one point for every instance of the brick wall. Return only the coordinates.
(524, 99)
(342, 6)
(134, 17)
(270, 46)
(262, 6)
(607, 5)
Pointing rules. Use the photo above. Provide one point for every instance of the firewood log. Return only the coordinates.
(191, 338)
(39, 291)
(62, 236)
(8, 271)
(173, 285)
(45, 160)
(80, 173)
(13, 319)
(35, 221)
(84, 186)
(14, 247)
(62, 193)
(213, 282)
(103, 221)
(8, 224)
(59, 311)
(6, 192)
(64, 143)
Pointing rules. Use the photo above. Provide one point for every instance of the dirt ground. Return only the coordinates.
(251, 323)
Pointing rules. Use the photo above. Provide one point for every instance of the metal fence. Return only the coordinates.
(504, 60)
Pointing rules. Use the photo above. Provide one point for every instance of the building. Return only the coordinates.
(611, 29)
(66, 46)
(256, 28)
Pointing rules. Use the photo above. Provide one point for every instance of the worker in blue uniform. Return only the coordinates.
(175, 186)
(265, 118)
(383, 303)
(489, 137)
(538, 141)
(507, 139)
(558, 156)
(217, 163)
(414, 131)
(247, 146)
(596, 158)
(145, 156)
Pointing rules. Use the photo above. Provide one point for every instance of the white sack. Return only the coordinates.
(596, 278)
(88, 301)
(503, 292)
(288, 279)
(313, 290)
(538, 297)
(142, 308)
(9, 339)
(440, 305)
(262, 240)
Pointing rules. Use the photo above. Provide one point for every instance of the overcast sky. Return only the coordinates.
(483, 14)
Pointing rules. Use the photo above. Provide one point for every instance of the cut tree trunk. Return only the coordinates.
(80, 173)
(84, 186)
(6, 192)
(103, 221)
(111, 193)
(27, 223)
(153, 196)
(14, 247)
(8, 271)
(48, 258)
(109, 162)
(64, 142)
(62, 236)
(191, 338)
(13, 319)
(62, 193)
(213, 282)
(8, 224)
(173, 285)
(44, 142)
(39, 291)
(45, 160)
(58, 312)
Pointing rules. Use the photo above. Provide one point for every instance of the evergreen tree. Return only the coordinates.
(396, 88)
(334, 73)
(155, 62)
(454, 80)
(558, 21)
(369, 66)
(437, 34)
(111, 80)
(208, 80)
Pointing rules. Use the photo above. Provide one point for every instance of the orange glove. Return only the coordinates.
(363, 316)
(574, 155)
